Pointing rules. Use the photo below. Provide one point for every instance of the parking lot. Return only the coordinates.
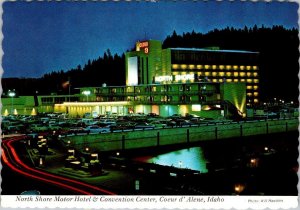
(60, 123)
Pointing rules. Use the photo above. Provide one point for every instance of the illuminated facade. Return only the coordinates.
(150, 64)
(205, 99)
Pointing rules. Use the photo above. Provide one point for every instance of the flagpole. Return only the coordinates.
(69, 90)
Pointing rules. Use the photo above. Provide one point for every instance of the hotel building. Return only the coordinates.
(211, 83)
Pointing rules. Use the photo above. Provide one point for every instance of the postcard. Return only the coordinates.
(149, 104)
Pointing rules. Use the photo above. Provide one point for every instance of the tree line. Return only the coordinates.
(277, 45)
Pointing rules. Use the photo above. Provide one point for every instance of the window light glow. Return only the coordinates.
(191, 66)
(242, 74)
(248, 74)
(249, 80)
(221, 74)
(214, 66)
(196, 107)
(207, 73)
(236, 74)
(183, 66)
(235, 67)
(228, 74)
(228, 80)
(248, 67)
(255, 87)
(214, 74)
(254, 67)
(228, 67)
(255, 93)
(242, 80)
(199, 66)
(175, 66)
(242, 67)
(255, 80)
(207, 66)
(221, 67)
(255, 74)
(236, 80)
(249, 87)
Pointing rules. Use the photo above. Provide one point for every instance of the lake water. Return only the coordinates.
(191, 158)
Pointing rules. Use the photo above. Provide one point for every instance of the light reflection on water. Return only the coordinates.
(191, 158)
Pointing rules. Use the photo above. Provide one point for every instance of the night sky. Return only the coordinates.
(40, 37)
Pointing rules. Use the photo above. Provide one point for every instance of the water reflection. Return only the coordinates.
(191, 158)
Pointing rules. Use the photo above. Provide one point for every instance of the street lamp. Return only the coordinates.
(12, 94)
(86, 93)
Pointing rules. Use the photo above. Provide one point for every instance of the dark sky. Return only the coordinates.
(40, 37)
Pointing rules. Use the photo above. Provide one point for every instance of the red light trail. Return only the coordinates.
(12, 160)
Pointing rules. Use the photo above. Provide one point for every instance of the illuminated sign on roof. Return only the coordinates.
(142, 46)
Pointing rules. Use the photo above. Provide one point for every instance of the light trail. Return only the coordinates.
(54, 179)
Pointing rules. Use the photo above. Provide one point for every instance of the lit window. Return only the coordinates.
(183, 66)
(255, 80)
(199, 66)
(228, 74)
(228, 67)
(228, 80)
(255, 93)
(221, 74)
(196, 107)
(248, 67)
(254, 67)
(220, 80)
(255, 100)
(255, 74)
(207, 73)
(175, 66)
(249, 80)
(236, 74)
(207, 66)
(221, 67)
(214, 66)
(242, 80)
(214, 74)
(191, 66)
(249, 94)
(199, 73)
(242, 74)
(249, 87)
(235, 67)
(248, 74)
(214, 80)
(242, 67)
(255, 87)
(236, 80)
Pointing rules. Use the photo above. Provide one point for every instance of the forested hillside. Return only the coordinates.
(278, 49)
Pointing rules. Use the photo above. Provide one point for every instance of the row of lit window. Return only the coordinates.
(252, 94)
(227, 67)
(255, 101)
(228, 74)
(235, 80)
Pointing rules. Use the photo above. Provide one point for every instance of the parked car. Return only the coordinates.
(97, 129)
(143, 125)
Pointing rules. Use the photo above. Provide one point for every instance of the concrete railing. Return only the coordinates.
(179, 135)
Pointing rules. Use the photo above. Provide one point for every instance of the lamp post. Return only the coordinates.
(86, 93)
(12, 94)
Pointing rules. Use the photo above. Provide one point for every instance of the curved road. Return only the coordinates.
(12, 160)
